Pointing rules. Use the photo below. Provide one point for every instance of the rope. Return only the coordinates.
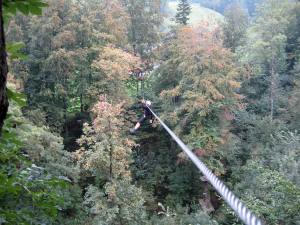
(234, 202)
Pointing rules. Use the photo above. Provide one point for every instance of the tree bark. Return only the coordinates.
(206, 202)
(81, 103)
(110, 152)
(3, 71)
(273, 86)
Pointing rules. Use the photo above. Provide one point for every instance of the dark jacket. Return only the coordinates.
(147, 112)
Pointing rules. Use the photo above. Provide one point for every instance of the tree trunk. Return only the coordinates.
(81, 103)
(273, 86)
(206, 202)
(66, 128)
(110, 152)
(3, 71)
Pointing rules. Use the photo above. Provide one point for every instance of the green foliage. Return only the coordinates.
(105, 154)
(264, 53)
(28, 193)
(199, 90)
(270, 194)
(69, 61)
(17, 97)
(183, 12)
(217, 99)
(34, 7)
(119, 203)
(13, 50)
(145, 20)
(181, 217)
(183, 187)
(235, 26)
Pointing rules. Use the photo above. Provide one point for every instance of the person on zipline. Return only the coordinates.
(147, 115)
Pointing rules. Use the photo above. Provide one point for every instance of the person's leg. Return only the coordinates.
(138, 125)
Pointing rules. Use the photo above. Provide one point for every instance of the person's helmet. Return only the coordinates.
(148, 103)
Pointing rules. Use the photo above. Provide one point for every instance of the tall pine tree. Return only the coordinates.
(183, 12)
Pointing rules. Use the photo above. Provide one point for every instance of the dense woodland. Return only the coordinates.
(231, 91)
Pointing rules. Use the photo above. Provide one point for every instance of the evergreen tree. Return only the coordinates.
(145, 20)
(196, 83)
(105, 153)
(264, 50)
(183, 12)
(41, 176)
(235, 26)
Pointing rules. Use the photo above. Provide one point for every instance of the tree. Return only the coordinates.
(47, 89)
(260, 148)
(35, 170)
(105, 153)
(111, 71)
(265, 46)
(8, 9)
(235, 26)
(144, 27)
(183, 12)
(270, 193)
(293, 109)
(118, 202)
(197, 84)
(212, 87)
(63, 75)
(110, 157)
(3, 71)
(293, 47)
(180, 216)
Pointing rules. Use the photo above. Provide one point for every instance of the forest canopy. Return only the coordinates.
(78, 145)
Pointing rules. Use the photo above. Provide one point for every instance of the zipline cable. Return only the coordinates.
(234, 202)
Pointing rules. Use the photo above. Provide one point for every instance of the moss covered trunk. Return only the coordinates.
(3, 71)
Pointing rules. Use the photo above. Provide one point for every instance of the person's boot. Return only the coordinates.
(132, 131)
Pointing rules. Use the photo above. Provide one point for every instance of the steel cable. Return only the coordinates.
(234, 202)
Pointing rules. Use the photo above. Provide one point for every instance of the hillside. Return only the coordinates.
(199, 14)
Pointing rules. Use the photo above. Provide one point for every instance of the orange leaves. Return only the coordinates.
(204, 42)
(103, 146)
(107, 116)
(63, 39)
(170, 93)
(234, 84)
(189, 40)
(209, 74)
(111, 71)
(206, 78)
(130, 143)
(115, 63)
(116, 20)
